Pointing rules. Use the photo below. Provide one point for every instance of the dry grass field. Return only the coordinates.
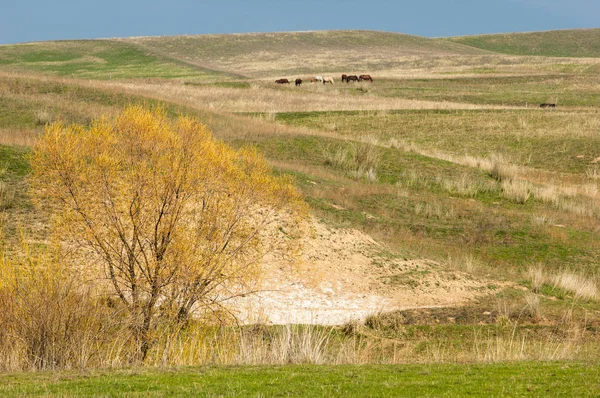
(445, 165)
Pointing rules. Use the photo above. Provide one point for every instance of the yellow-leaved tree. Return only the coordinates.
(170, 218)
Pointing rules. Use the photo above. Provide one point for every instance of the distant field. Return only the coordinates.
(210, 58)
(527, 136)
(575, 89)
(95, 59)
(493, 380)
(557, 43)
(301, 52)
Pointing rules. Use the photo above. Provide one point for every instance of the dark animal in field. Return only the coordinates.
(282, 81)
(298, 82)
(352, 78)
(328, 79)
(550, 104)
(365, 77)
(344, 76)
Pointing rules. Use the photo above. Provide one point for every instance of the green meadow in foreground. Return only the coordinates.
(492, 380)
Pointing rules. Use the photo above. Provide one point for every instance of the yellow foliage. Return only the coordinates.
(48, 317)
(177, 220)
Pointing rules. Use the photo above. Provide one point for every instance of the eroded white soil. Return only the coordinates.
(345, 275)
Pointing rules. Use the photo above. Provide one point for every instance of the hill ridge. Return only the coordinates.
(580, 42)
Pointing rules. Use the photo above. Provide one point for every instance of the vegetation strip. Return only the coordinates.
(510, 379)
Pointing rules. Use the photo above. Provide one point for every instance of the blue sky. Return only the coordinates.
(37, 20)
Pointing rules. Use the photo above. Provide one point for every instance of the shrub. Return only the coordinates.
(174, 218)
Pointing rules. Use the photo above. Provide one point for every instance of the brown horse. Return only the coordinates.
(344, 76)
(352, 78)
(282, 81)
(298, 82)
(365, 77)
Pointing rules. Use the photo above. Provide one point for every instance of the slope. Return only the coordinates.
(96, 59)
(258, 54)
(556, 43)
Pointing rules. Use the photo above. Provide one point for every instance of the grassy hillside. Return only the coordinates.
(556, 43)
(210, 58)
(95, 59)
(198, 58)
(297, 52)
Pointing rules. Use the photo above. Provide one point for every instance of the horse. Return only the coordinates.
(282, 81)
(344, 76)
(313, 80)
(365, 77)
(328, 79)
(319, 79)
(298, 82)
(352, 78)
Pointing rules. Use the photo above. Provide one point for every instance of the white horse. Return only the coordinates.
(328, 79)
(319, 79)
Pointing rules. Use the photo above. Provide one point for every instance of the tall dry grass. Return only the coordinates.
(519, 347)
(516, 190)
(48, 318)
(518, 183)
(360, 159)
(582, 287)
(18, 136)
(263, 98)
(357, 344)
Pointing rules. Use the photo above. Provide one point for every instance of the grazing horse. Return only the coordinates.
(328, 79)
(319, 79)
(298, 82)
(546, 105)
(282, 81)
(344, 76)
(313, 80)
(352, 78)
(365, 77)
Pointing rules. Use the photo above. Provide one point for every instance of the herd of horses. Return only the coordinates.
(327, 79)
(353, 78)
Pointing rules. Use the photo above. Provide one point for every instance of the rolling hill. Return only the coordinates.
(555, 43)
(206, 58)
(96, 59)
(300, 51)
(202, 57)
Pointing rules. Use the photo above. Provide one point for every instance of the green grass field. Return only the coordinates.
(97, 59)
(492, 380)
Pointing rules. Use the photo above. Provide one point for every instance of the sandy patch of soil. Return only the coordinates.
(345, 275)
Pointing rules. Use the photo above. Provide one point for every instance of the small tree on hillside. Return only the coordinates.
(174, 218)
